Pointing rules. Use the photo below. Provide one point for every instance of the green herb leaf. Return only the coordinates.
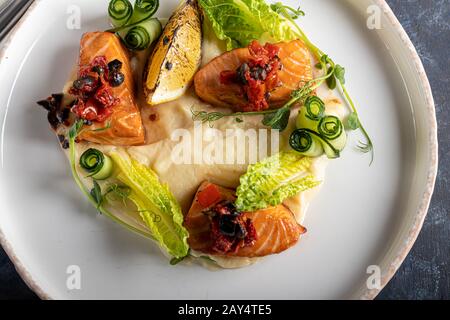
(108, 126)
(76, 129)
(331, 81)
(339, 73)
(116, 192)
(325, 59)
(287, 11)
(239, 120)
(205, 116)
(96, 193)
(353, 121)
(278, 120)
(138, 228)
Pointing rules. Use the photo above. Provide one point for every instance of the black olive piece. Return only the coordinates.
(47, 105)
(224, 207)
(262, 74)
(166, 40)
(116, 79)
(58, 97)
(60, 115)
(227, 225)
(259, 73)
(169, 65)
(53, 120)
(115, 65)
(61, 138)
(232, 209)
(65, 114)
(84, 81)
(52, 103)
(65, 144)
(241, 71)
(241, 231)
(99, 70)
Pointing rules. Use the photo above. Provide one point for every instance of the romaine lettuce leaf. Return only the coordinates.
(239, 22)
(271, 181)
(156, 204)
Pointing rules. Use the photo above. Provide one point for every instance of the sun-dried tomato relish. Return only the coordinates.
(230, 229)
(257, 77)
(93, 90)
(105, 97)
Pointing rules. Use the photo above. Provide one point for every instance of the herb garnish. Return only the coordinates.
(94, 195)
(276, 119)
(116, 192)
(106, 127)
(282, 9)
(256, 18)
(338, 74)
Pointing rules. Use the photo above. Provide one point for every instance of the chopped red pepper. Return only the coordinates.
(209, 196)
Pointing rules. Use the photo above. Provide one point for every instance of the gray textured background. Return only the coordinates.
(425, 274)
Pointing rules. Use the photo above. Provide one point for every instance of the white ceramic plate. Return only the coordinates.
(364, 215)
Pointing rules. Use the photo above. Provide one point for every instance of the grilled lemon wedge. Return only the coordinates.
(176, 57)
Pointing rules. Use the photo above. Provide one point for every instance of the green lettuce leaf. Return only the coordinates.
(271, 181)
(156, 204)
(239, 22)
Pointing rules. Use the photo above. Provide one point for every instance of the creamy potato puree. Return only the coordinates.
(184, 179)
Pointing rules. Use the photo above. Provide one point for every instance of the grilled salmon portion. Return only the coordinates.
(276, 228)
(296, 71)
(125, 123)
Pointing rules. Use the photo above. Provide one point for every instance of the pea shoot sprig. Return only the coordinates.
(334, 78)
(95, 195)
(354, 121)
(276, 119)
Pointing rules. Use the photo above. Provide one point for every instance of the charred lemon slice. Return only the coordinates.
(176, 57)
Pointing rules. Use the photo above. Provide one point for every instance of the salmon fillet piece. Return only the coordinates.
(276, 228)
(296, 71)
(126, 123)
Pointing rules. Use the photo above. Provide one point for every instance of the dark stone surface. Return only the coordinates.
(425, 274)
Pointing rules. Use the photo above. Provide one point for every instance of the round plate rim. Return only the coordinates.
(367, 294)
